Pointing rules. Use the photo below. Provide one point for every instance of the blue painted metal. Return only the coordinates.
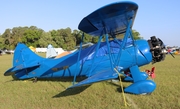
(99, 41)
(141, 87)
(109, 52)
(124, 40)
(98, 61)
(114, 17)
(59, 67)
(136, 73)
(128, 78)
(77, 64)
(106, 74)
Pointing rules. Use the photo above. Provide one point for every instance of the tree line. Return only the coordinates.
(37, 37)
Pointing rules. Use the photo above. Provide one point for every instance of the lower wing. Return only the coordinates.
(101, 76)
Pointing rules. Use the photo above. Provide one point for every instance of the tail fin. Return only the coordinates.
(23, 58)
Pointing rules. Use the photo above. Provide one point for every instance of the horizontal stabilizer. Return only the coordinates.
(102, 76)
(14, 69)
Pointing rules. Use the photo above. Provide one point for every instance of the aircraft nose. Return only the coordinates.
(157, 49)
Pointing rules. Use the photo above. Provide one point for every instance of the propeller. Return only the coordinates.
(157, 49)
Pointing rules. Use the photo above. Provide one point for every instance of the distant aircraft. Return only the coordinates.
(9, 51)
(101, 61)
(51, 52)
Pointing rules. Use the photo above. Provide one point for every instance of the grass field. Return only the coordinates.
(103, 95)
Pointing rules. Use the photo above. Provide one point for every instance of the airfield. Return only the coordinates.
(52, 94)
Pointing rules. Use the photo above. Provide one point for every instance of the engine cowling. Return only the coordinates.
(157, 49)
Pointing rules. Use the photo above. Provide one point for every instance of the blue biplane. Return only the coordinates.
(101, 61)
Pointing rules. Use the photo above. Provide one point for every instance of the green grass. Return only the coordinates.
(102, 95)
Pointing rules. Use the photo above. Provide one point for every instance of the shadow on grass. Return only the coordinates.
(61, 79)
(119, 89)
(71, 91)
(12, 81)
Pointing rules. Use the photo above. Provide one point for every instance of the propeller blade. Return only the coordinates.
(172, 55)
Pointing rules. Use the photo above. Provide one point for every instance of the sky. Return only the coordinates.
(160, 18)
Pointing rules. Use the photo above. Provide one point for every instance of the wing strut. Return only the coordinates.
(99, 42)
(124, 40)
(78, 64)
(108, 47)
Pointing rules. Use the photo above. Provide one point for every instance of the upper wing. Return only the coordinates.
(114, 17)
(101, 76)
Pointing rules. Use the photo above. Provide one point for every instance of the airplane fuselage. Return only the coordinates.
(129, 56)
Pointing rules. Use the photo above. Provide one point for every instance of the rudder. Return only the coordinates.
(24, 56)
